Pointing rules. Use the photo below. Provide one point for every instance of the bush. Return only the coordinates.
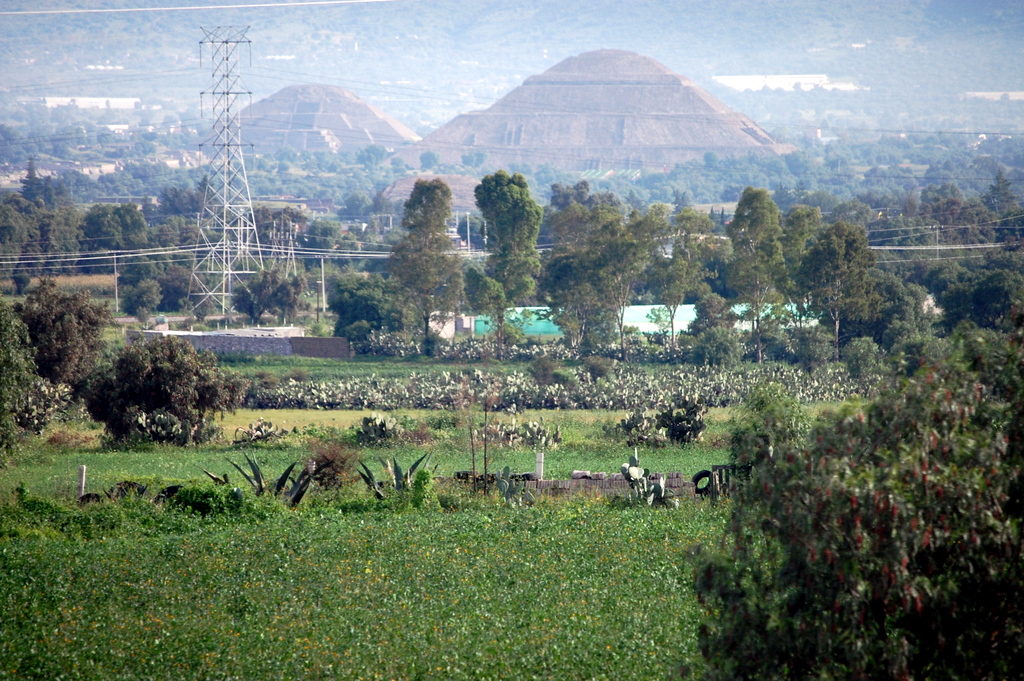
(717, 347)
(886, 546)
(163, 391)
(598, 367)
(769, 417)
(812, 347)
(861, 356)
(207, 500)
(684, 421)
(543, 370)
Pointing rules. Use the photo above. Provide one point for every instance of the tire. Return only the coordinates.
(699, 478)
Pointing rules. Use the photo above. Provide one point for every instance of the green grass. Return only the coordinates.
(562, 590)
(49, 464)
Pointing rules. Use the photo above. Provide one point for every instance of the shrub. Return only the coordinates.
(861, 356)
(208, 499)
(335, 462)
(769, 417)
(640, 428)
(812, 347)
(543, 370)
(598, 367)
(378, 429)
(886, 546)
(163, 391)
(717, 347)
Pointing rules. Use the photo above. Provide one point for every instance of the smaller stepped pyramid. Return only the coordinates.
(602, 110)
(319, 118)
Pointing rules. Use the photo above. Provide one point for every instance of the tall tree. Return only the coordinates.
(269, 291)
(680, 274)
(513, 223)
(756, 236)
(16, 371)
(423, 264)
(799, 227)
(1000, 196)
(836, 276)
(66, 330)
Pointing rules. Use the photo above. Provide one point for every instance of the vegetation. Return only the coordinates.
(163, 391)
(16, 371)
(894, 549)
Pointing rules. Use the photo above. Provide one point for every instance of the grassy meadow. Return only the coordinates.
(343, 586)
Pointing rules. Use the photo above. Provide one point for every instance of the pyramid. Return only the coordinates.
(319, 118)
(608, 109)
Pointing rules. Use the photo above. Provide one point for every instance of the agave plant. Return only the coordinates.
(399, 479)
(291, 495)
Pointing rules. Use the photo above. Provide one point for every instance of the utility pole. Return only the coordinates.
(227, 206)
(117, 302)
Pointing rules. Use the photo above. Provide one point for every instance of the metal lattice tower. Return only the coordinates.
(227, 206)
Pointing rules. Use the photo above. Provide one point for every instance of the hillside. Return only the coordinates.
(425, 62)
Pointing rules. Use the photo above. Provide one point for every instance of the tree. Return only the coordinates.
(269, 291)
(835, 275)
(984, 298)
(1000, 197)
(513, 222)
(108, 227)
(141, 299)
(429, 159)
(425, 269)
(163, 390)
(65, 328)
(31, 184)
(756, 236)
(16, 373)
(371, 156)
(681, 274)
(888, 544)
(575, 296)
(362, 304)
(799, 227)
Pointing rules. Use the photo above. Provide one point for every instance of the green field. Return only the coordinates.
(342, 586)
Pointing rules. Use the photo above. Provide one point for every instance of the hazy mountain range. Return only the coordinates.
(425, 61)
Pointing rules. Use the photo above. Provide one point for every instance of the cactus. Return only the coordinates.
(401, 480)
(41, 404)
(640, 428)
(259, 431)
(641, 490)
(686, 424)
(512, 489)
(378, 428)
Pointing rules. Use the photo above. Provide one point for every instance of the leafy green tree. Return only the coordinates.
(269, 291)
(984, 298)
(756, 236)
(423, 265)
(16, 373)
(429, 159)
(163, 390)
(575, 296)
(108, 227)
(887, 545)
(513, 222)
(674, 277)
(141, 299)
(66, 330)
(835, 274)
(799, 227)
(31, 184)
(174, 288)
(363, 303)
(372, 156)
(1000, 197)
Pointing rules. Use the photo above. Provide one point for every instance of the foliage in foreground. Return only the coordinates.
(317, 593)
(163, 391)
(888, 544)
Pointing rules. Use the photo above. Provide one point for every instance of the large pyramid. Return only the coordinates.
(608, 109)
(319, 117)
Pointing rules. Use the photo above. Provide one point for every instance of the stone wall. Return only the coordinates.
(329, 348)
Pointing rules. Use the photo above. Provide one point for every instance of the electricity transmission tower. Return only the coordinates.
(227, 206)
